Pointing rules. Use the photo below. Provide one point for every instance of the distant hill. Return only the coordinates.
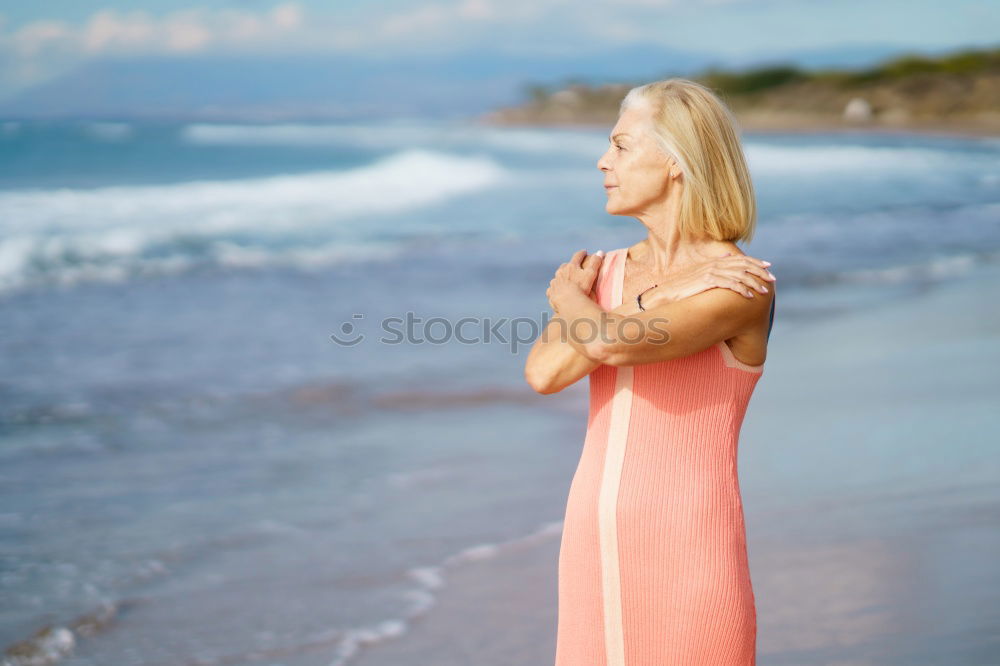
(345, 87)
(954, 92)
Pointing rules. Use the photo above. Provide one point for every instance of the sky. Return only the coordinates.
(39, 40)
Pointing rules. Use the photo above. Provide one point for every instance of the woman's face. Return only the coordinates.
(636, 172)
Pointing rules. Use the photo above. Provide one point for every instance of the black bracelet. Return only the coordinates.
(639, 296)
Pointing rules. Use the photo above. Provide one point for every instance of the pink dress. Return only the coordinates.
(653, 567)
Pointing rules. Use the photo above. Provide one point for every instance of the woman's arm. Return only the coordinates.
(665, 331)
(554, 363)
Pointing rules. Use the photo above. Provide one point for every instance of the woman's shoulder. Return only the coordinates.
(604, 283)
(610, 256)
(729, 246)
(608, 261)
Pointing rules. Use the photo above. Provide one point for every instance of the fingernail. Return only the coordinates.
(763, 288)
(767, 263)
(771, 276)
(600, 253)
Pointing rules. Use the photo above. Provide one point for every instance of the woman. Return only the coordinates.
(672, 331)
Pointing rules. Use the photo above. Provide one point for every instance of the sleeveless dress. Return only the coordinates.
(653, 567)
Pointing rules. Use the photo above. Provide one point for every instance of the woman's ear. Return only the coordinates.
(673, 168)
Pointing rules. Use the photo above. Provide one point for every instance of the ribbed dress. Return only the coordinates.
(653, 567)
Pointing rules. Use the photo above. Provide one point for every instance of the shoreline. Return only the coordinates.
(774, 125)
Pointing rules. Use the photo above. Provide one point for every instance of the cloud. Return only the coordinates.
(283, 27)
(182, 31)
(43, 48)
(40, 49)
(459, 19)
(477, 10)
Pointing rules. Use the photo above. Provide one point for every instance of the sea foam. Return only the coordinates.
(112, 233)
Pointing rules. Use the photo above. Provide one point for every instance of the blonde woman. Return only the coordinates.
(672, 331)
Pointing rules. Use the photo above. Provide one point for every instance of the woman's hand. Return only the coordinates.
(741, 273)
(578, 273)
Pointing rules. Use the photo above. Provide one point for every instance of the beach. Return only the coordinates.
(953, 95)
(213, 452)
(764, 123)
(868, 468)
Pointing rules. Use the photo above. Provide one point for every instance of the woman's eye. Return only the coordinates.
(619, 147)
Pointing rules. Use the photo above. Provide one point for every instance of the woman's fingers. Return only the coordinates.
(741, 282)
(762, 273)
(759, 267)
(574, 262)
(732, 259)
(736, 285)
(581, 268)
(750, 265)
(752, 281)
(759, 262)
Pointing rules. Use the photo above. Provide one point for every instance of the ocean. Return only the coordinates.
(193, 471)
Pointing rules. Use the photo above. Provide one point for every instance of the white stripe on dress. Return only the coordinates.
(614, 459)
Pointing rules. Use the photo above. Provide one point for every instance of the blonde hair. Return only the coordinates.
(692, 125)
